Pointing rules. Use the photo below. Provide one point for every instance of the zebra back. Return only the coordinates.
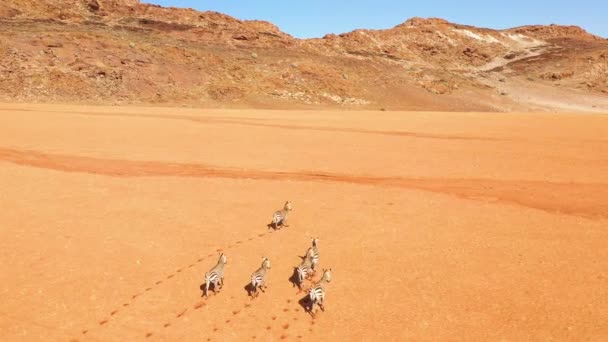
(305, 267)
(281, 215)
(260, 274)
(218, 269)
(317, 292)
(315, 252)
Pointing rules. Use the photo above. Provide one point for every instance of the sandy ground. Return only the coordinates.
(437, 226)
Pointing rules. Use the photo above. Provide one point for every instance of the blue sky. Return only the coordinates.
(314, 18)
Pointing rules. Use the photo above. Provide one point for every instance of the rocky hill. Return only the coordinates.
(127, 52)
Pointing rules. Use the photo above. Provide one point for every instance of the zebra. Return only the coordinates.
(315, 254)
(279, 218)
(258, 278)
(215, 276)
(316, 294)
(304, 270)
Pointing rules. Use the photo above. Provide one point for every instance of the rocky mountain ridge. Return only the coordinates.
(128, 52)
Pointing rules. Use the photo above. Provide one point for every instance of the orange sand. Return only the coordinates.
(438, 226)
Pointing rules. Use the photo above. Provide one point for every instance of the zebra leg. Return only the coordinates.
(285, 223)
(310, 307)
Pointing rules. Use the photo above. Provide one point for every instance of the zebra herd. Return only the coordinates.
(306, 269)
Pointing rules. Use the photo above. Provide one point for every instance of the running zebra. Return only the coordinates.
(215, 276)
(258, 278)
(315, 254)
(304, 270)
(316, 294)
(279, 218)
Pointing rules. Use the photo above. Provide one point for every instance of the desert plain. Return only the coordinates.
(437, 226)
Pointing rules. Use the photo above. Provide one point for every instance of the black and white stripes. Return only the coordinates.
(305, 270)
(279, 218)
(258, 278)
(215, 276)
(316, 294)
(315, 253)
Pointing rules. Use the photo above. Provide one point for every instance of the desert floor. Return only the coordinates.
(437, 226)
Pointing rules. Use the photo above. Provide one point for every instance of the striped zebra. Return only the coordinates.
(258, 278)
(279, 218)
(215, 276)
(316, 294)
(304, 270)
(315, 254)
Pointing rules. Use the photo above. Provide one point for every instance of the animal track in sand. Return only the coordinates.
(195, 306)
(181, 314)
(180, 270)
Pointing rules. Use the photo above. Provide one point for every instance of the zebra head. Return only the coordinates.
(315, 241)
(287, 206)
(326, 276)
(266, 263)
(223, 259)
(309, 253)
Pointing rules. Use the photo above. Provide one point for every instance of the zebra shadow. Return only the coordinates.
(212, 289)
(294, 279)
(274, 226)
(250, 290)
(307, 305)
